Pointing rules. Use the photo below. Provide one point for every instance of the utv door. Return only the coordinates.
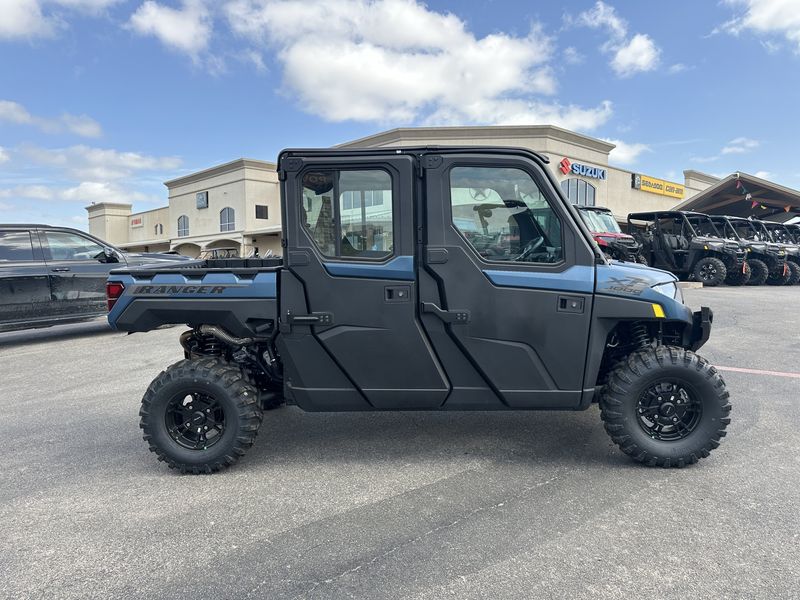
(349, 314)
(514, 279)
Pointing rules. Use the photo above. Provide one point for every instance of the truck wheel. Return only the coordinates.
(739, 276)
(665, 407)
(758, 272)
(781, 276)
(200, 416)
(710, 271)
(794, 278)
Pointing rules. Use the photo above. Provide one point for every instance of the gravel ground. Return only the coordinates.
(394, 505)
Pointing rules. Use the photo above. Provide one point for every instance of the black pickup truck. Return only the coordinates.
(54, 275)
(423, 279)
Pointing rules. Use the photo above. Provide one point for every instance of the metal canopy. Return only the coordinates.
(726, 198)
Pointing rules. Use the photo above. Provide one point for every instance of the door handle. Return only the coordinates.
(448, 316)
(60, 269)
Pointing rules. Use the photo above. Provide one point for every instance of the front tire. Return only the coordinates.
(710, 271)
(780, 276)
(200, 416)
(665, 407)
(739, 276)
(759, 272)
(794, 278)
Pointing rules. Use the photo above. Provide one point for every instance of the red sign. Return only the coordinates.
(565, 166)
(136, 222)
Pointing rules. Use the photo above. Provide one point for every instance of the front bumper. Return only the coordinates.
(701, 328)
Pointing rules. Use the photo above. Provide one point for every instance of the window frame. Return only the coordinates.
(48, 252)
(231, 224)
(186, 229)
(586, 187)
(539, 181)
(266, 212)
(313, 168)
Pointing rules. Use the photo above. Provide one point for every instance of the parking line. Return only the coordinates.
(759, 372)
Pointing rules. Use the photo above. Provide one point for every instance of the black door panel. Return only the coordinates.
(24, 284)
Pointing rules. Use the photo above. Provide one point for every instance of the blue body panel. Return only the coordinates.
(163, 285)
(577, 278)
(400, 267)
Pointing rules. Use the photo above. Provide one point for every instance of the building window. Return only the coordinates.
(227, 219)
(578, 191)
(342, 216)
(183, 226)
(159, 229)
(262, 211)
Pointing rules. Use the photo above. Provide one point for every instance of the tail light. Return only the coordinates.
(114, 290)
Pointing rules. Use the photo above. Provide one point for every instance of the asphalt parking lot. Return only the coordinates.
(395, 505)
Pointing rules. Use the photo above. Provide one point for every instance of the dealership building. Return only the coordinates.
(237, 205)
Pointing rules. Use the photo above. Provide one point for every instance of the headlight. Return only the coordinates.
(670, 290)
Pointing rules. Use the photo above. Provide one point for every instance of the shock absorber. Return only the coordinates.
(640, 337)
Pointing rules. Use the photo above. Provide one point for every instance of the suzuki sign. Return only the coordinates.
(566, 166)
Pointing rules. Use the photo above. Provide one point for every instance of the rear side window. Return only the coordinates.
(15, 246)
(348, 214)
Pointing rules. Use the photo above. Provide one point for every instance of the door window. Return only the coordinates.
(15, 246)
(348, 214)
(504, 215)
(70, 246)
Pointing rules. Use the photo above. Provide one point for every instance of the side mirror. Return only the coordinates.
(111, 255)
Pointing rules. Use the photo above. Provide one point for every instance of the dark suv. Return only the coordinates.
(52, 275)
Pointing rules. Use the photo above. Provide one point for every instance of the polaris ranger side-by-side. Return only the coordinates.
(423, 279)
(688, 245)
(789, 237)
(767, 260)
(608, 235)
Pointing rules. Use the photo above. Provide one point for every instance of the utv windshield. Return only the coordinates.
(600, 221)
(704, 226)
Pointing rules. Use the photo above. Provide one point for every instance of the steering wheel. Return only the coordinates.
(530, 248)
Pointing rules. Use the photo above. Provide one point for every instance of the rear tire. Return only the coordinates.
(739, 276)
(200, 416)
(759, 272)
(665, 407)
(781, 276)
(710, 271)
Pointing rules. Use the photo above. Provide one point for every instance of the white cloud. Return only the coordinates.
(763, 174)
(740, 145)
(4, 156)
(396, 61)
(625, 153)
(24, 19)
(636, 54)
(84, 192)
(20, 19)
(677, 68)
(766, 17)
(82, 125)
(85, 162)
(571, 56)
(187, 29)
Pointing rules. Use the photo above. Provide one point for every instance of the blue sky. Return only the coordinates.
(106, 99)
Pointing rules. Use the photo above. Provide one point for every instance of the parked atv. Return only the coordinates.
(606, 232)
(780, 234)
(671, 242)
(764, 257)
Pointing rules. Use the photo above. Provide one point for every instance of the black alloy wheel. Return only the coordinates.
(195, 420)
(669, 410)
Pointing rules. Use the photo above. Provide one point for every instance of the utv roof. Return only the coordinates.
(651, 216)
(413, 150)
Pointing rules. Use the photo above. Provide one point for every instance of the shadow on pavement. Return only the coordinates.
(26, 337)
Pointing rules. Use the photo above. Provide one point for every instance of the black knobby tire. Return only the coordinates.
(739, 275)
(794, 278)
(758, 272)
(710, 271)
(217, 388)
(704, 397)
(780, 276)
